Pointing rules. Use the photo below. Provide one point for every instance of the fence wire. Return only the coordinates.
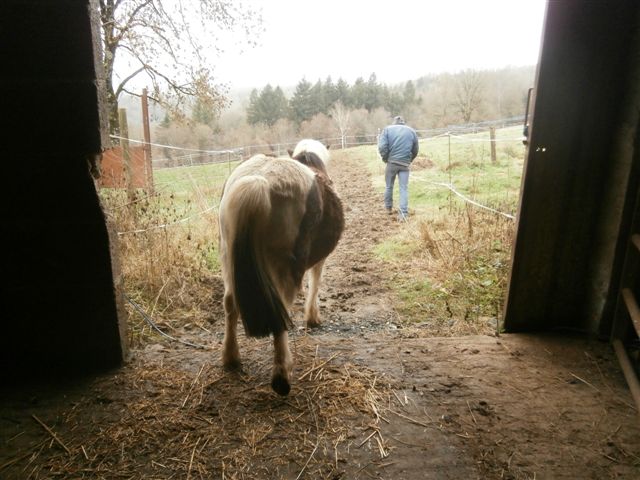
(199, 157)
(215, 155)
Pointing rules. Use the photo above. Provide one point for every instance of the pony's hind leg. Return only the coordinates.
(230, 351)
(311, 310)
(282, 364)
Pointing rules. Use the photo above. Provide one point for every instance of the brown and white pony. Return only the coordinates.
(279, 217)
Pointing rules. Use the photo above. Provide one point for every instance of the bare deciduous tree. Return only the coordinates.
(319, 126)
(468, 93)
(341, 116)
(173, 43)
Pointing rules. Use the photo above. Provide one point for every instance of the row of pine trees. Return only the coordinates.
(268, 105)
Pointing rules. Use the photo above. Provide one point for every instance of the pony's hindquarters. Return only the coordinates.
(278, 218)
(260, 215)
(245, 211)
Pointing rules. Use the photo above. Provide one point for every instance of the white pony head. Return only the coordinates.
(311, 146)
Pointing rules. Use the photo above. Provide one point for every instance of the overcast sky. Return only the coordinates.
(399, 40)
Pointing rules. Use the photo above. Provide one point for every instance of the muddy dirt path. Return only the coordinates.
(371, 397)
(355, 297)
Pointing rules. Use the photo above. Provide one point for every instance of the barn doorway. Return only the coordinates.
(372, 396)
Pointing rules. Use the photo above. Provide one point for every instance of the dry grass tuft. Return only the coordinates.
(169, 264)
(456, 271)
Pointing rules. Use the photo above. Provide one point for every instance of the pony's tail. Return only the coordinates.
(259, 303)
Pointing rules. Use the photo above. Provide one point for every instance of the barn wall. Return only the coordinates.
(575, 178)
(58, 307)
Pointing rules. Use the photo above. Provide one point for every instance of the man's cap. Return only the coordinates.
(398, 120)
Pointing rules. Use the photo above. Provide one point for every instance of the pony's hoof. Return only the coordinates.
(232, 365)
(280, 385)
(313, 324)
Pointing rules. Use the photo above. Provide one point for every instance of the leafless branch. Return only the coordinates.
(124, 81)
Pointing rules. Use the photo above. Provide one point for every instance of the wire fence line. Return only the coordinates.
(240, 154)
(214, 207)
(207, 156)
(171, 224)
(471, 201)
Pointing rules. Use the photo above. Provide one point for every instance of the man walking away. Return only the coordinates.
(398, 146)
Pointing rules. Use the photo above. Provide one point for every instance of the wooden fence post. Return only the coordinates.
(492, 136)
(126, 155)
(450, 180)
(148, 166)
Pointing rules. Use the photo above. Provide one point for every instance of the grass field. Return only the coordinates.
(465, 162)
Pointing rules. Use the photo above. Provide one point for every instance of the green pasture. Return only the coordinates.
(463, 161)
(183, 183)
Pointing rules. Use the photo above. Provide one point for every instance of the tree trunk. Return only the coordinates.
(112, 99)
(110, 46)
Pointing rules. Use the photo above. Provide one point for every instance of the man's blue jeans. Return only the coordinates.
(390, 173)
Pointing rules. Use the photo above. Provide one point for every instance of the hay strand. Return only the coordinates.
(52, 433)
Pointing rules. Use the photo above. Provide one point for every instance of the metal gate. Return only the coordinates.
(626, 322)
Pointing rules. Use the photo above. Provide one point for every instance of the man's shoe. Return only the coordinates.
(389, 211)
